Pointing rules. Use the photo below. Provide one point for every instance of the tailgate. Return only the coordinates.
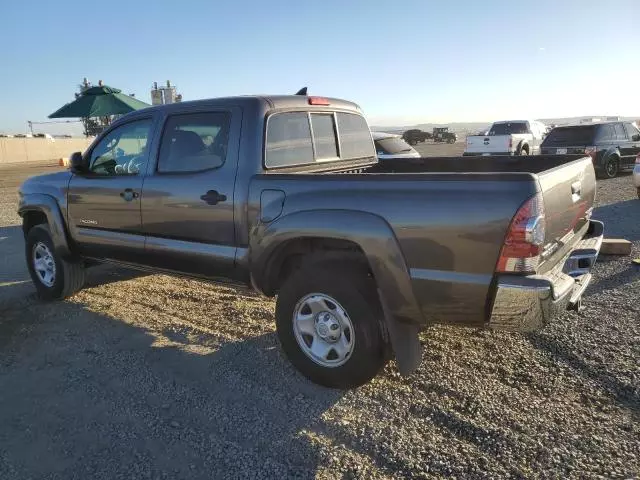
(568, 193)
(488, 144)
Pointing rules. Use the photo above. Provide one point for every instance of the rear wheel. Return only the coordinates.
(611, 167)
(638, 192)
(329, 319)
(524, 151)
(54, 277)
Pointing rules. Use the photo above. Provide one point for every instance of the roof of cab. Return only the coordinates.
(272, 102)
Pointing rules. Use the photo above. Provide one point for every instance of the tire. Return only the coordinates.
(330, 288)
(524, 151)
(611, 168)
(638, 190)
(60, 278)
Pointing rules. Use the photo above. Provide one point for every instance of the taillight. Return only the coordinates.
(591, 151)
(525, 238)
(510, 142)
(638, 159)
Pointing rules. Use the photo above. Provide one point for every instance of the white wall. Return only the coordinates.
(18, 150)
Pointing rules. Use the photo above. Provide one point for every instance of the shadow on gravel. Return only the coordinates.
(625, 395)
(15, 275)
(621, 219)
(88, 396)
(623, 277)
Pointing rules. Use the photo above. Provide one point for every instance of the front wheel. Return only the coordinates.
(329, 319)
(54, 277)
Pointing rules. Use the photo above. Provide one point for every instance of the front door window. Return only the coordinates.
(123, 151)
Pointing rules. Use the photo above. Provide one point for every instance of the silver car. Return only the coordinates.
(391, 147)
(636, 175)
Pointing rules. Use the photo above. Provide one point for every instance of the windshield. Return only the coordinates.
(392, 145)
(570, 136)
(509, 128)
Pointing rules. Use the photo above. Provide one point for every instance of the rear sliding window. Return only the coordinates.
(509, 128)
(301, 138)
(571, 136)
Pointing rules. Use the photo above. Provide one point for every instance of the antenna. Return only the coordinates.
(302, 91)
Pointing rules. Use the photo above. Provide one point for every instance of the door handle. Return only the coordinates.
(212, 197)
(129, 194)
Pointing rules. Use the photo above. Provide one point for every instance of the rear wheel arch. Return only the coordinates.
(292, 254)
(611, 165)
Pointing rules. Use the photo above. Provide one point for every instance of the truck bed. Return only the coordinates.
(449, 215)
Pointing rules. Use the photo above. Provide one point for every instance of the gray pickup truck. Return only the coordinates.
(285, 194)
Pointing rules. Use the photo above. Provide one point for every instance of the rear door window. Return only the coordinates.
(620, 133)
(605, 133)
(631, 130)
(355, 137)
(193, 142)
(288, 140)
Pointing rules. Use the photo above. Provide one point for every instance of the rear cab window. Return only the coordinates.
(509, 128)
(305, 138)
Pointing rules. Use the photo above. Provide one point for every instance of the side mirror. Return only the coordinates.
(636, 137)
(78, 163)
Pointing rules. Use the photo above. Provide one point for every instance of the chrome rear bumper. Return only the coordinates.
(526, 304)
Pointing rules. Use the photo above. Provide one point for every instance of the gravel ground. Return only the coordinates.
(148, 376)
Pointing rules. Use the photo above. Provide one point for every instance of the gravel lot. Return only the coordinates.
(148, 376)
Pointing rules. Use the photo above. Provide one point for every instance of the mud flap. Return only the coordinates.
(404, 341)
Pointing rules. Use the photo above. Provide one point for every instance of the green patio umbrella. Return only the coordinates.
(101, 101)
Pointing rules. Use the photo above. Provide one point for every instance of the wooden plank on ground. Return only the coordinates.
(615, 246)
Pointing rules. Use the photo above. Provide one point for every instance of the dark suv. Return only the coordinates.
(415, 136)
(613, 146)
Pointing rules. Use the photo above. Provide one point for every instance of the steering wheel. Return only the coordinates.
(133, 166)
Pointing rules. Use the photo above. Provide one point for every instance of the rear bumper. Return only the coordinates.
(525, 304)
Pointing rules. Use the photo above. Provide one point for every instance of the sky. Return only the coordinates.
(403, 62)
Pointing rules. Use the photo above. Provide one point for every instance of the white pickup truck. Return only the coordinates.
(510, 137)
